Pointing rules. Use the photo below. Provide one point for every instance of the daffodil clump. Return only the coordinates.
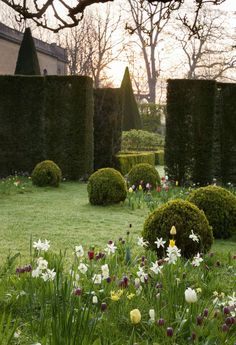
(119, 294)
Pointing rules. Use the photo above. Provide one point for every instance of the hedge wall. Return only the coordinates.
(69, 124)
(107, 126)
(46, 118)
(126, 161)
(189, 130)
(228, 133)
(21, 129)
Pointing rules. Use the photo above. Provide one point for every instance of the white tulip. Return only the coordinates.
(190, 295)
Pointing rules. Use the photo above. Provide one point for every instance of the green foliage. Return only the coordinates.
(27, 61)
(106, 186)
(189, 130)
(107, 126)
(68, 117)
(143, 173)
(46, 173)
(22, 125)
(228, 132)
(151, 115)
(130, 113)
(159, 157)
(46, 118)
(219, 206)
(139, 140)
(185, 217)
(124, 162)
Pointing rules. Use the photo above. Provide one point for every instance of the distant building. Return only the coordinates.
(52, 58)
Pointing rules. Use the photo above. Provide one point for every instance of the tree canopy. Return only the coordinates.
(38, 11)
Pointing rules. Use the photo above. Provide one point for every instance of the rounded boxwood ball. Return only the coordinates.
(186, 217)
(143, 173)
(219, 206)
(106, 186)
(46, 173)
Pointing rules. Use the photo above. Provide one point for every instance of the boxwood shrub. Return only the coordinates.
(46, 173)
(219, 206)
(106, 186)
(186, 217)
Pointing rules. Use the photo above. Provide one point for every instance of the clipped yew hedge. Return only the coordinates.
(107, 126)
(46, 118)
(124, 162)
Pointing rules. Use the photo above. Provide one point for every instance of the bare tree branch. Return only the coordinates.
(38, 12)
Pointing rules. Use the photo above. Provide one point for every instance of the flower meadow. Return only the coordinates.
(121, 293)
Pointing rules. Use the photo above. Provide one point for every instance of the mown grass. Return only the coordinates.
(64, 216)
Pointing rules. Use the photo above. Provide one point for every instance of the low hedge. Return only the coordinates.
(159, 157)
(124, 162)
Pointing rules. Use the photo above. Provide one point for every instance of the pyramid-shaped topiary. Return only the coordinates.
(130, 113)
(27, 61)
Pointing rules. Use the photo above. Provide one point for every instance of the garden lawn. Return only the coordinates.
(64, 217)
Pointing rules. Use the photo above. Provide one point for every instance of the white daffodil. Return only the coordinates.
(173, 253)
(142, 275)
(197, 260)
(156, 268)
(49, 275)
(190, 295)
(160, 243)
(41, 246)
(83, 268)
(79, 251)
(42, 263)
(194, 237)
(95, 299)
(36, 273)
(232, 300)
(110, 249)
(141, 242)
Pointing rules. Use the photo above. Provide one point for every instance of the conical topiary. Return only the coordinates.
(27, 61)
(130, 113)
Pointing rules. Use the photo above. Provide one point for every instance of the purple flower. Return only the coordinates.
(224, 328)
(169, 332)
(226, 310)
(199, 320)
(78, 292)
(205, 312)
(161, 322)
(103, 306)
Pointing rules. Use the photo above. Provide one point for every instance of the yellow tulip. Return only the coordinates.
(172, 243)
(173, 230)
(135, 316)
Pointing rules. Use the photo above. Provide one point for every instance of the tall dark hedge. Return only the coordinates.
(21, 123)
(46, 118)
(107, 126)
(69, 124)
(228, 130)
(189, 130)
(27, 61)
(130, 113)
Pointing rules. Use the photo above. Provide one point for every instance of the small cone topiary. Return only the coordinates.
(143, 174)
(130, 114)
(27, 61)
(46, 173)
(106, 186)
(187, 219)
(219, 206)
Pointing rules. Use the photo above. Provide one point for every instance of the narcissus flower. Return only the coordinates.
(135, 316)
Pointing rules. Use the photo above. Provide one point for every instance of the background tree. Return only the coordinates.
(68, 14)
(92, 45)
(210, 54)
(27, 61)
(148, 24)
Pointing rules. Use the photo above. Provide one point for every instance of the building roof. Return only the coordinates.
(16, 36)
